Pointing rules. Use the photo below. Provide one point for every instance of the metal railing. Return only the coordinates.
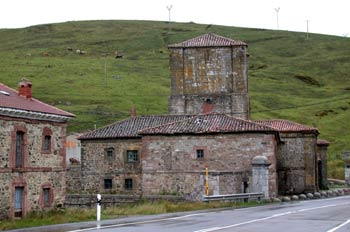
(233, 197)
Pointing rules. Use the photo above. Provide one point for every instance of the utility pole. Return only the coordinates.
(307, 29)
(277, 11)
(106, 71)
(169, 7)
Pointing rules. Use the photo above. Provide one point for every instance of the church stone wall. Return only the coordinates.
(170, 163)
(296, 163)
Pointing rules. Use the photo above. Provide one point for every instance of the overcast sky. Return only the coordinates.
(325, 16)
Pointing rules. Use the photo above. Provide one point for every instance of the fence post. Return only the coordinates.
(206, 181)
(98, 210)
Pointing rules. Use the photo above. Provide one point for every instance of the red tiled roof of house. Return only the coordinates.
(287, 126)
(322, 142)
(9, 98)
(207, 124)
(208, 40)
(129, 128)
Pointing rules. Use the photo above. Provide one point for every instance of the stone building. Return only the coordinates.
(208, 125)
(167, 154)
(32, 152)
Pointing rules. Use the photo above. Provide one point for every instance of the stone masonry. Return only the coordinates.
(296, 163)
(32, 152)
(40, 170)
(209, 76)
(322, 147)
(169, 163)
(96, 166)
(260, 175)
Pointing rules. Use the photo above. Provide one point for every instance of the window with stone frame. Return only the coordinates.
(19, 152)
(200, 154)
(108, 183)
(132, 156)
(46, 141)
(128, 184)
(47, 197)
(109, 155)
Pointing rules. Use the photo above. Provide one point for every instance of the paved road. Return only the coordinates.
(328, 215)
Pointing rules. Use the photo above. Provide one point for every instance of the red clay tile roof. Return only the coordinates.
(9, 98)
(175, 124)
(129, 128)
(287, 126)
(322, 142)
(207, 124)
(208, 40)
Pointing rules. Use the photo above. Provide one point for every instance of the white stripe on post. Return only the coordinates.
(98, 207)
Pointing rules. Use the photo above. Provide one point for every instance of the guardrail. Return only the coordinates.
(232, 197)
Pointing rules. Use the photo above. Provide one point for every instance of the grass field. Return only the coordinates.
(290, 77)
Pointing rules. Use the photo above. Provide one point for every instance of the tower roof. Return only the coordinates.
(208, 40)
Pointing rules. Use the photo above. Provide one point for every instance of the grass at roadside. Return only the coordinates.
(70, 215)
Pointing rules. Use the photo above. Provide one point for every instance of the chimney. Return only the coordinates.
(133, 112)
(25, 88)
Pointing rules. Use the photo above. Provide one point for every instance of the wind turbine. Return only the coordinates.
(277, 11)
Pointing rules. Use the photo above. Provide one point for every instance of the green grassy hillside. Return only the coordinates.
(290, 77)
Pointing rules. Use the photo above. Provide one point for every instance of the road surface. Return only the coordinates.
(328, 215)
(324, 215)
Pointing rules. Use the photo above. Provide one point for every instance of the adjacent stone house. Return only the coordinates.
(111, 156)
(296, 157)
(32, 152)
(208, 125)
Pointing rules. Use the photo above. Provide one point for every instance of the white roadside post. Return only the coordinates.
(98, 209)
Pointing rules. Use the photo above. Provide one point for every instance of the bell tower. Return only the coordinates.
(209, 73)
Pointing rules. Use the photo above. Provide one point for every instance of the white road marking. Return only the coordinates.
(338, 227)
(209, 229)
(270, 217)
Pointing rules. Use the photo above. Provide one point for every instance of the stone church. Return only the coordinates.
(208, 125)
